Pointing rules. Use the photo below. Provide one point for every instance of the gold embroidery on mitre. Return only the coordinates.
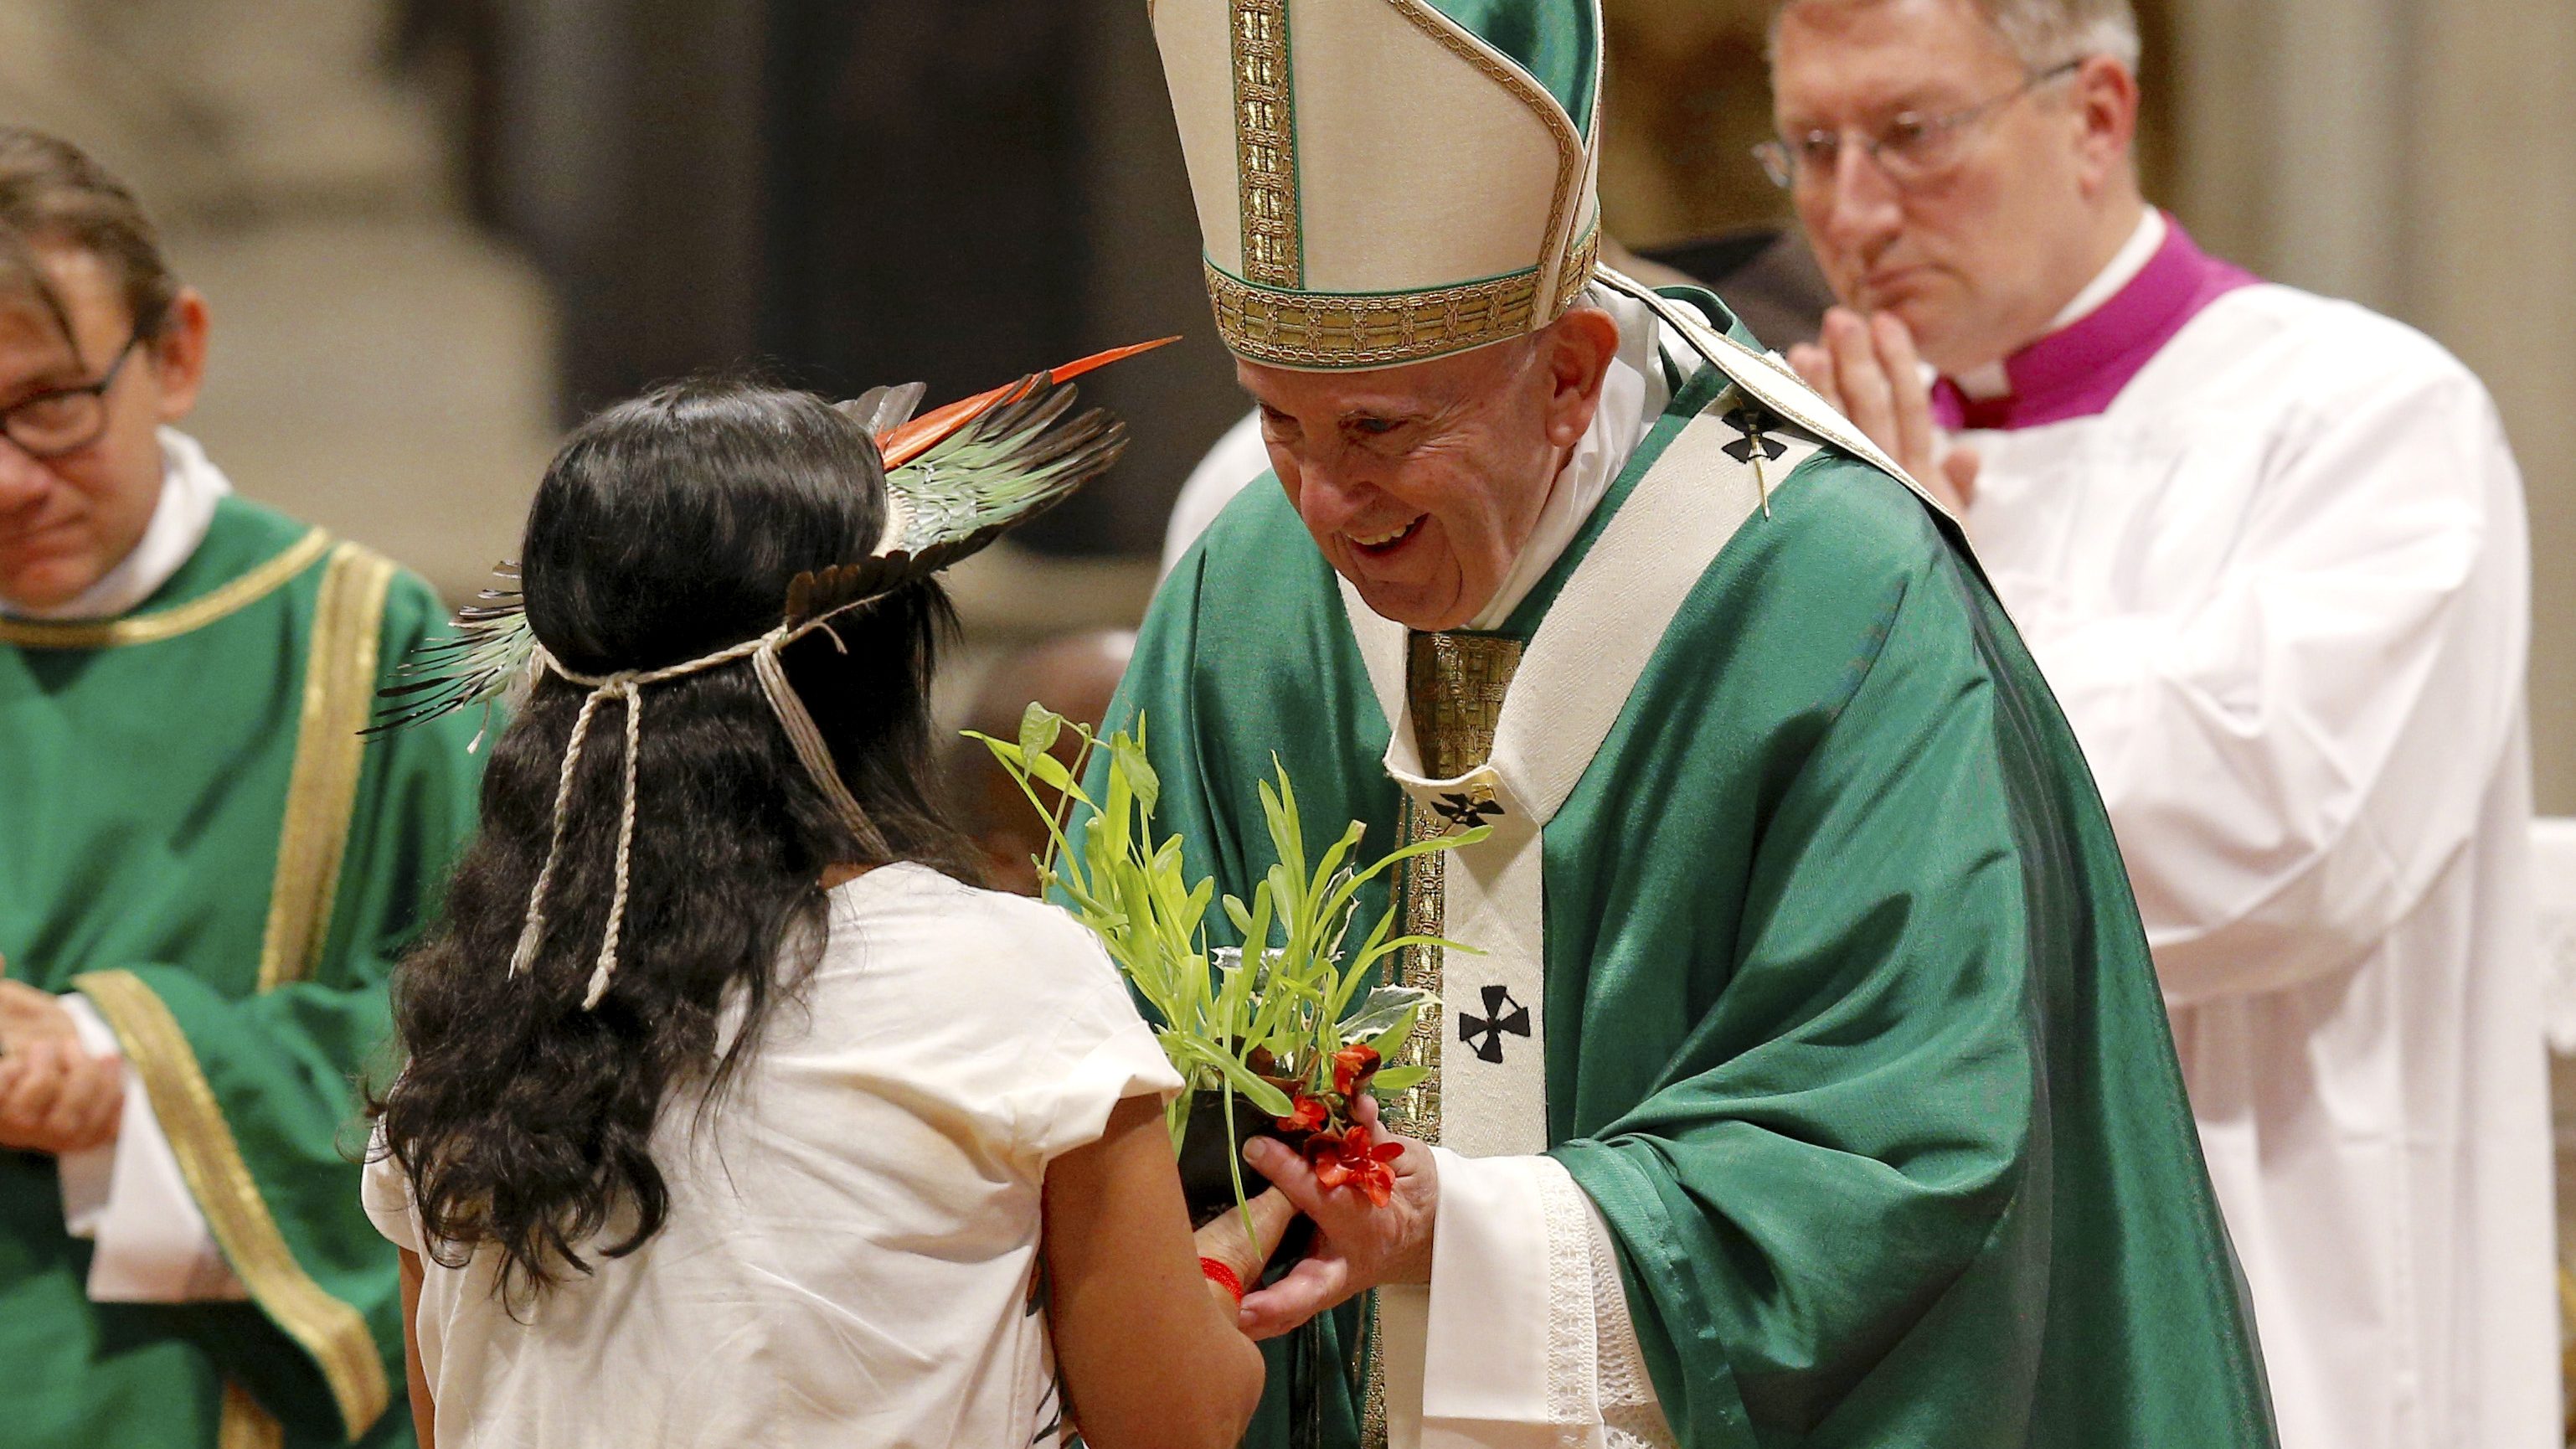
(1328, 330)
(1265, 144)
(1454, 686)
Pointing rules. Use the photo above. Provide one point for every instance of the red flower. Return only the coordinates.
(1351, 1158)
(1352, 1067)
(1305, 1114)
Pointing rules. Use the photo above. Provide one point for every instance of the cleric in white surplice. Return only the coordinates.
(2269, 550)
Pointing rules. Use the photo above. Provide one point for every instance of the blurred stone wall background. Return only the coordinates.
(380, 365)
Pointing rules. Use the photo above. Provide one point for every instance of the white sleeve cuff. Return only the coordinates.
(129, 1197)
(86, 1176)
(1528, 1340)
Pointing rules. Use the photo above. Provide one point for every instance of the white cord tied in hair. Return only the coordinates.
(628, 685)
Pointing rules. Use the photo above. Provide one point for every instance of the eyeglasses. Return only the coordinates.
(65, 419)
(1909, 150)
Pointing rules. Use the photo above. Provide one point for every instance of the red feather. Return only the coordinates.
(900, 445)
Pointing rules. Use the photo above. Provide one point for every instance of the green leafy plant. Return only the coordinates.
(1281, 1022)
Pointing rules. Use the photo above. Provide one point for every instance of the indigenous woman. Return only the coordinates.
(730, 1115)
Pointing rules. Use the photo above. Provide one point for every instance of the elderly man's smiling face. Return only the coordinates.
(1422, 483)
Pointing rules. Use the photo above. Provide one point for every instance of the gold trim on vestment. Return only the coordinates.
(333, 1332)
(172, 622)
(1454, 684)
(1265, 144)
(322, 788)
(1453, 689)
(1334, 330)
(1417, 1108)
(245, 1424)
(1372, 1378)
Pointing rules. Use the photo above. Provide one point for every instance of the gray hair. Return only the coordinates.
(2047, 33)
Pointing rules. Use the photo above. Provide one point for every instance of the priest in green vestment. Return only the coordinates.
(205, 873)
(1809, 1084)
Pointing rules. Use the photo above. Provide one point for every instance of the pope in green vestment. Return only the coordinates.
(199, 843)
(1809, 1084)
(1857, 1050)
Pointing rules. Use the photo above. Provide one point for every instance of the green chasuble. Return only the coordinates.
(1849, 1030)
(198, 841)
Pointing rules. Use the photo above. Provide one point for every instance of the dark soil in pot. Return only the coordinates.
(1205, 1179)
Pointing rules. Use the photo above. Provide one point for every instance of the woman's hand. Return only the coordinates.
(1140, 1342)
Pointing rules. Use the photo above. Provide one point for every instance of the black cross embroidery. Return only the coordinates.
(1493, 1023)
(1465, 812)
(1755, 425)
(1756, 447)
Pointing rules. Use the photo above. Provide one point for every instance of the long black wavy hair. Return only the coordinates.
(666, 529)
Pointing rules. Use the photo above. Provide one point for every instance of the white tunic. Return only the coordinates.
(852, 1251)
(2278, 578)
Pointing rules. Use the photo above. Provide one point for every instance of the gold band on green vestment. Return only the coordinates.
(1454, 686)
(333, 1332)
(322, 787)
(179, 619)
(245, 1425)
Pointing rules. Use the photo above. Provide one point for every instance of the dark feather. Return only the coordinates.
(880, 410)
(476, 665)
(1021, 457)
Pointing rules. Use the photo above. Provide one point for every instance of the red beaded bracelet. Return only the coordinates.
(1222, 1276)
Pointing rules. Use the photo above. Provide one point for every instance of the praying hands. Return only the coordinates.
(1868, 369)
(54, 1096)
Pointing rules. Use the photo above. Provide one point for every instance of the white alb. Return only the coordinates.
(2280, 585)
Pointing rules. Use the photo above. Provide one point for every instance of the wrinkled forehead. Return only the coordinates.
(1843, 62)
(1411, 389)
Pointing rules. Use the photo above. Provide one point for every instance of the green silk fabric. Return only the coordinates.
(1852, 1035)
(146, 788)
(1557, 43)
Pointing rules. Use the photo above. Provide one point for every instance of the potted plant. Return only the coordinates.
(1280, 1037)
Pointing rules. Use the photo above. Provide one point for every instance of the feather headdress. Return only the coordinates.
(956, 479)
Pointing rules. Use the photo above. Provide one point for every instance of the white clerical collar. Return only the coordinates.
(1633, 395)
(1990, 380)
(191, 486)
